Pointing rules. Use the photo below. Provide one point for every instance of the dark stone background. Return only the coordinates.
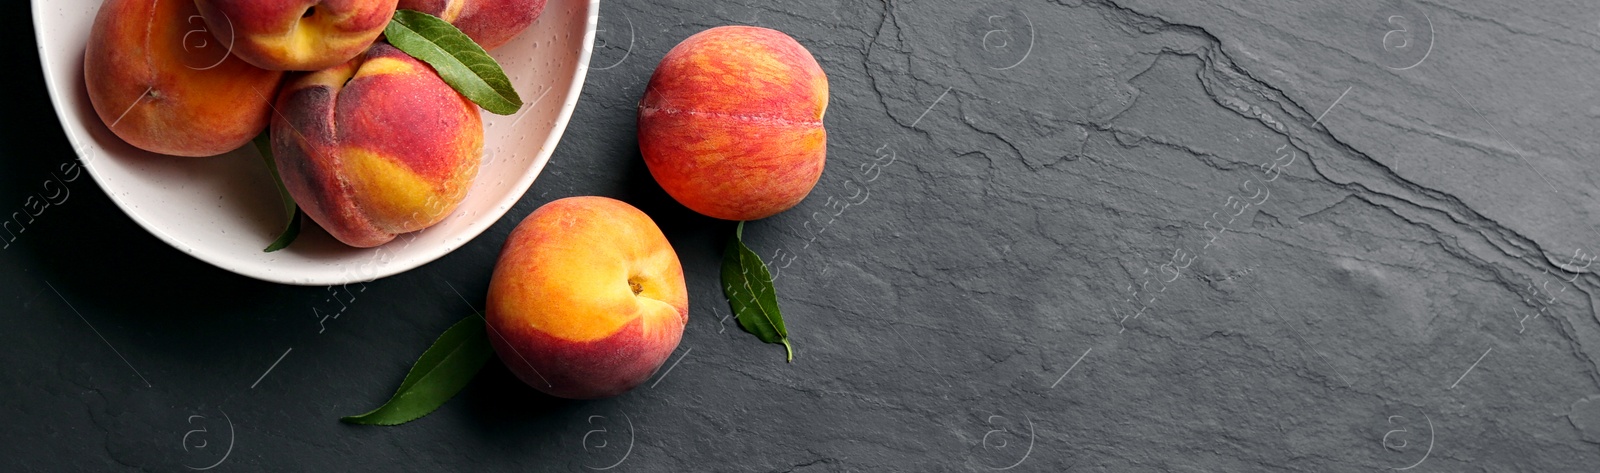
(1013, 260)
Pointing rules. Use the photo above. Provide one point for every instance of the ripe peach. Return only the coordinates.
(731, 122)
(377, 146)
(491, 23)
(587, 299)
(164, 84)
(299, 35)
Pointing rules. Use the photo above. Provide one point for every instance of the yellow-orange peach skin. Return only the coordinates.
(298, 35)
(376, 147)
(731, 122)
(490, 23)
(587, 299)
(164, 84)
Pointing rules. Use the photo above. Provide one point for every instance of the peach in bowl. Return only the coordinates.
(225, 208)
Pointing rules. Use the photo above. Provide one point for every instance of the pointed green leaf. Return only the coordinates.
(289, 233)
(460, 61)
(291, 230)
(748, 285)
(439, 374)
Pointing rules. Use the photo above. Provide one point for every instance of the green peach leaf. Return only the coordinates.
(263, 144)
(290, 232)
(441, 372)
(748, 285)
(458, 60)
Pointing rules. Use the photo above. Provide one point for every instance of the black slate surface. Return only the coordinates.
(1091, 236)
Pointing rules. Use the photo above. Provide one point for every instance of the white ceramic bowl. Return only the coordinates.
(225, 209)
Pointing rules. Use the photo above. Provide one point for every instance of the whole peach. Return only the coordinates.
(587, 299)
(491, 23)
(731, 122)
(377, 146)
(299, 35)
(165, 84)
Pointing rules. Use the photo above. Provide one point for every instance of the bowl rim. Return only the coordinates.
(58, 101)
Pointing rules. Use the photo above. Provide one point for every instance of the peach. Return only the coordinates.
(165, 84)
(299, 35)
(377, 146)
(731, 122)
(587, 299)
(491, 23)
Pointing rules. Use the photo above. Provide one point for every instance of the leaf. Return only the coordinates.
(748, 285)
(439, 374)
(289, 233)
(460, 61)
(263, 144)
